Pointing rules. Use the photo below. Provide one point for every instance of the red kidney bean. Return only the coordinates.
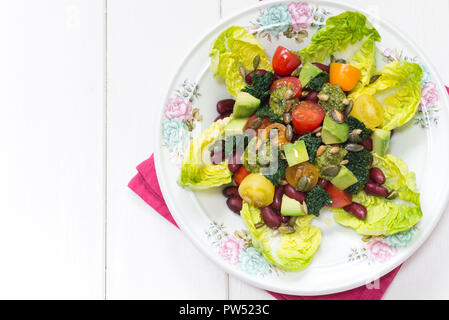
(231, 192)
(222, 116)
(373, 189)
(234, 163)
(235, 204)
(312, 96)
(368, 144)
(217, 158)
(225, 106)
(271, 219)
(323, 67)
(377, 176)
(249, 76)
(294, 194)
(357, 210)
(285, 219)
(277, 77)
(277, 200)
(323, 183)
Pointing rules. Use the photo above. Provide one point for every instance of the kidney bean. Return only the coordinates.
(234, 163)
(217, 158)
(231, 192)
(373, 189)
(249, 76)
(312, 96)
(225, 106)
(277, 200)
(235, 204)
(368, 144)
(222, 116)
(377, 176)
(323, 67)
(357, 210)
(271, 219)
(285, 219)
(277, 77)
(294, 194)
(323, 183)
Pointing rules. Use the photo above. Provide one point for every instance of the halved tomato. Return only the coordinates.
(307, 116)
(240, 175)
(340, 198)
(291, 82)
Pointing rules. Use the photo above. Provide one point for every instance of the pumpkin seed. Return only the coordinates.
(283, 182)
(292, 221)
(297, 71)
(393, 195)
(344, 162)
(303, 184)
(317, 130)
(304, 206)
(323, 97)
(353, 147)
(287, 117)
(340, 61)
(346, 102)
(349, 107)
(330, 171)
(305, 93)
(334, 150)
(286, 230)
(354, 138)
(256, 62)
(320, 151)
(242, 71)
(318, 134)
(357, 131)
(289, 133)
(374, 78)
(255, 123)
(337, 116)
(259, 225)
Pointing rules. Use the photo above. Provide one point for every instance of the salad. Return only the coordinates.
(309, 130)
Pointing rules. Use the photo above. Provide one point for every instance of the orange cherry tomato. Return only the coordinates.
(293, 174)
(240, 175)
(340, 198)
(345, 75)
(279, 140)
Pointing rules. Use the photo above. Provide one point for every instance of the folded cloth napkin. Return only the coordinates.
(145, 184)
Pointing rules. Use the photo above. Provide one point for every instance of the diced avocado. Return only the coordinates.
(296, 153)
(245, 105)
(381, 141)
(308, 72)
(235, 126)
(344, 179)
(334, 132)
(291, 207)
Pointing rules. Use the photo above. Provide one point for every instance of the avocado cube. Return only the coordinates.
(344, 179)
(333, 132)
(245, 105)
(235, 126)
(296, 153)
(291, 207)
(308, 72)
(381, 141)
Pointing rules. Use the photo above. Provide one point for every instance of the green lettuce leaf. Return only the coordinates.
(291, 252)
(348, 36)
(398, 89)
(233, 48)
(197, 171)
(387, 217)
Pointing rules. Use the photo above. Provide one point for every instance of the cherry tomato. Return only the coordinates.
(340, 198)
(368, 110)
(307, 116)
(285, 62)
(293, 174)
(240, 175)
(257, 190)
(279, 140)
(291, 82)
(344, 75)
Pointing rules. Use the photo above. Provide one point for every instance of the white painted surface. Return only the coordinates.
(54, 182)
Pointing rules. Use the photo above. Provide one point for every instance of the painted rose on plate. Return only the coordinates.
(178, 108)
(430, 96)
(380, 251)
(301, 14)
(230, 249)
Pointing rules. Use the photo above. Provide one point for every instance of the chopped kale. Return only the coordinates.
(354, 123)
(359, 163)
(317, 83)
(260, 88)
(280, 172)
(265, 111)
(317, 199)
(312, 145)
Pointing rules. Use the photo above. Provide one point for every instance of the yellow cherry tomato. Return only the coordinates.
(344, 75)
(293, 174)
(368, 110)
(257, 190)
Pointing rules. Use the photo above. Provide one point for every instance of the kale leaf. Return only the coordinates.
(354, 123)
(317, 199)
(280, 173)
(265, 111)
(359, 163)
(317, 83)
(312, 145)
(260, 88)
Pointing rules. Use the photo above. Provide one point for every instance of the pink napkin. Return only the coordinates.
(146, 185)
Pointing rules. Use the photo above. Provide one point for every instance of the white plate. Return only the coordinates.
(344, 260)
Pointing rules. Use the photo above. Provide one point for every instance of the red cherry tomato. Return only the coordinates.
(240, 175)
(291, 82)
(340, 198)
(285, 62)
(307, 116)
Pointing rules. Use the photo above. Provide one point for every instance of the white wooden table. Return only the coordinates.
(80, 82)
